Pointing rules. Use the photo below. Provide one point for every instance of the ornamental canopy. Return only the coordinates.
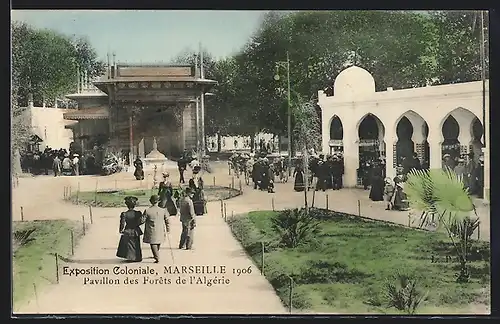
(87, 113)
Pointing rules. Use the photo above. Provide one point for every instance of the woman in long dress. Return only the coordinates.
(298, 173)
(377, 186)
(139, 169)
(196, 184)
(400, 200)
(165, 192)
(129, 247)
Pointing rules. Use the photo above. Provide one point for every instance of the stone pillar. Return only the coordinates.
(189, 130)
(325, 134)
(435, 139)
(141, 149)
(465, 139)
(418, 139)
(390, 152)
(351, 155)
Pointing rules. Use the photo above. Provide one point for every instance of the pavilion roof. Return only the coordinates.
(87, 113)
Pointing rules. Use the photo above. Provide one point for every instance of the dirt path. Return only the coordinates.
(41, 198)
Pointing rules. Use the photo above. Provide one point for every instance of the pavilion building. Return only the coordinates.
(132, 106)
(431, 121)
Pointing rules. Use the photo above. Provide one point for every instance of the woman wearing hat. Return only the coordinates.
(165, 192)
(196, 184)
(129, 246)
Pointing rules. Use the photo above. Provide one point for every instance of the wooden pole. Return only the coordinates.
(478, 231)
(36, 294)
(222, 208)
(64, 192)
(116, 185)
(241, 188)
(232, 182)
(83, 224)
(78, 194)
(214, 181)
(225, 210)
(290, 294)
(409, 220)
(359, 208)
(262, 258)
(72, 243)
(91, 216)
(272, 203)
(327, 207)
(22, 214)
(57, 267)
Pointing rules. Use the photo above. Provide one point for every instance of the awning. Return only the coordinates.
(87, 113)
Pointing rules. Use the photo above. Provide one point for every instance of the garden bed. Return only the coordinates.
(34, 244)
(115, 198)
(345, 267)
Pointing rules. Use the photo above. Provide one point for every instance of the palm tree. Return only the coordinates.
(441, 196)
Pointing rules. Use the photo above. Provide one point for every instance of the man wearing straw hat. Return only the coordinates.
(188, 219)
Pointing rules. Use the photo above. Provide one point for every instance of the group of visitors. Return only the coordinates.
(262, 173)
(328, 170)
(470, 169)
(187, 202)
(156, 226)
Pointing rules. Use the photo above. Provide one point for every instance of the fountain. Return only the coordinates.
(156, 160)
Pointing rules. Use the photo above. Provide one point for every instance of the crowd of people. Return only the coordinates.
(68, 162)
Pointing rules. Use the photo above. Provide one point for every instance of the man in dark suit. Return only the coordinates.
(188, 219)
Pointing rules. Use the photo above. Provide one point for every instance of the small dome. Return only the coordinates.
(353, 82)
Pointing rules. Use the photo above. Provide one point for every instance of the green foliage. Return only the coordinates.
(45, 63)
(441, 194)
(295, 227)
(345, 268)
(402, 293)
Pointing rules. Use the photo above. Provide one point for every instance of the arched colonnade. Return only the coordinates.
(428, 121)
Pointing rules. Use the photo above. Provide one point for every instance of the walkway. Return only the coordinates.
(214, 245)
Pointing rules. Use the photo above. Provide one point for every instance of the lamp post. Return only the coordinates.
(289, 121)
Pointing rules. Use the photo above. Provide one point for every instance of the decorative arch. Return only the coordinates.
(415, 119)
(379, 123)
(336, 128)
(455, 112)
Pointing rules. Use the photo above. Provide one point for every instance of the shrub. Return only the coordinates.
(295, 227)
(21, 238)
(402, 293)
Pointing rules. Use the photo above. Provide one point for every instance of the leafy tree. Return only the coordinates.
(45, 63)
(458, 46)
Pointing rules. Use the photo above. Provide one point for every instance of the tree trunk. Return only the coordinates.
(252, 143)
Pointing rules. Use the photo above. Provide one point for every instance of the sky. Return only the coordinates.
(150, 36)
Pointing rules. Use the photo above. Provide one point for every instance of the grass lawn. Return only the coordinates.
(115, 198)
(344, 269)
(33, 259)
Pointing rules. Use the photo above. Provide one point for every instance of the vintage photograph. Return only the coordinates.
(250, 162)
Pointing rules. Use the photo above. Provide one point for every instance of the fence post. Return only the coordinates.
(83, 224)
(272, 203)
(409, 220)
(95, 192)
(327, 207)
(225, 211)
(64, 192)
(91, 216)
(262, 258)
(221, 208)
(232, 182)
(241, 188)
(22, 214)
(36, 295)
(214, 181)
(359, 208)
(290, 294)
(70, 191)
(78, 194)
(72, 242)
(57, 267)
(478, 231)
